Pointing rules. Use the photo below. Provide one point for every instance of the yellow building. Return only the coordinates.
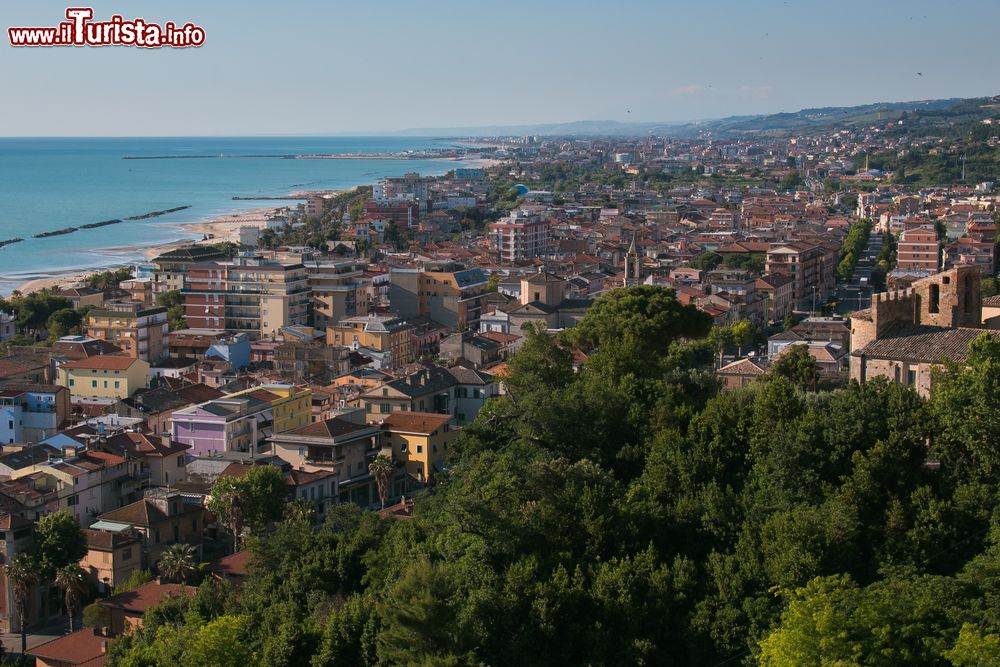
(104, 376)
(454, 299)
(419, 442)
(290, 405)
(387, 334)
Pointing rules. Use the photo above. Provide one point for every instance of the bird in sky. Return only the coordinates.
(920, 73)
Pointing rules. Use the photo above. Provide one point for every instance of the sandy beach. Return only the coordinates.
(219, 229)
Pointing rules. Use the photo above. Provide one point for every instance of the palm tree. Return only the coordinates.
(228, 502)
(73, 580)
(382, 470)
(178, 562)
(22, 574)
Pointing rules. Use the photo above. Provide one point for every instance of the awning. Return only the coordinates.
(110, 526)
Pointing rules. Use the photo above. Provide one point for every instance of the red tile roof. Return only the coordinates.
(146, 596)
(234, 565)
(104, 362)
(415, 422)
(83, 647)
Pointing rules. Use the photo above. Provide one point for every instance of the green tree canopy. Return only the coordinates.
(59, 542)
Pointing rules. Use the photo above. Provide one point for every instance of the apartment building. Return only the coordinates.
(520, 236)
(427, 390)
(445, 294)
(248, 293)
(918, 248)
(810, 266)
(163, 517)
(170, 268)
(243, 421)
(83, 484)
(403, 215)
(106, 376)
(339, 290)
(140, 332)
(390, 337)
(419, 443)
(342, 445)
(410, 187)
(32, 412)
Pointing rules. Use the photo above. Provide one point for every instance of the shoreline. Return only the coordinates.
(221, 227)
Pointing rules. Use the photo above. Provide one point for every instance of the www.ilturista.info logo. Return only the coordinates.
(80, 30)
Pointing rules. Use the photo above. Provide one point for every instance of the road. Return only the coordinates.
(856, 293)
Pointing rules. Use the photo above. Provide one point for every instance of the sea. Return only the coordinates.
(52, 183)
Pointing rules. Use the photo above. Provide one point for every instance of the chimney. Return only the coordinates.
(165, 439)
(68, 452)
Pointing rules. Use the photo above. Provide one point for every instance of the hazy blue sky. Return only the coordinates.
(324, 66)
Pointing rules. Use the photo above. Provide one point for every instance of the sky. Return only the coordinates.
(317, 67)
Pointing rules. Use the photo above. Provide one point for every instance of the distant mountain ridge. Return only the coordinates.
(812, 119)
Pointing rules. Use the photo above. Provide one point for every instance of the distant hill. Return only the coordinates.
(805, 121)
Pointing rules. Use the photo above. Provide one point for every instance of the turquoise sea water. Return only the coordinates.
(53, 183)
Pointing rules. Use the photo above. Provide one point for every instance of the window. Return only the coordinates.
(118, 385)
(934, 305)
(911, 377)
(72, 382)
(127, 554)
(420, 449)
(72, 500)
(385, 408)
(93, 384)
(403, 447)
(156, 537)
(180, 461)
